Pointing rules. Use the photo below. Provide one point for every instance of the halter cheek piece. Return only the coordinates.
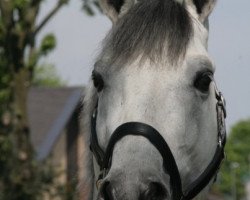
(104, 159)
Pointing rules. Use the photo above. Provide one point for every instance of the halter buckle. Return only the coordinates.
(222, 104)
(221, 100)
(98, 183)
(103, 173)
(221, 125)
(221, 115)
(220, 141)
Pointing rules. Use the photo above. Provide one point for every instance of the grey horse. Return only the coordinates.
(152, 111)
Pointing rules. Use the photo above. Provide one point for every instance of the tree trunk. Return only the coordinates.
(22, 176)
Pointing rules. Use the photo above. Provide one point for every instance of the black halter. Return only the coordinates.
(104, 159)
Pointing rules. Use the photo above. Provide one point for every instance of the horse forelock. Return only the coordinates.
(152, 29)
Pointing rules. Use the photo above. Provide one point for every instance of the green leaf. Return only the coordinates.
(20, 4)
(46, 75)
(237, 150)
(48, 43)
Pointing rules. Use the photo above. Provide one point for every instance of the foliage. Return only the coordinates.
(46, 75)
(21, 177)
(237, 151)
(48, 43)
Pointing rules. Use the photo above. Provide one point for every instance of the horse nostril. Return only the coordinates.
(106, 191)
(155, 191)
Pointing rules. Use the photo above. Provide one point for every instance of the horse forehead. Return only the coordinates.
(197, 47)
(145, 80)
(137, 74)
(143, 90)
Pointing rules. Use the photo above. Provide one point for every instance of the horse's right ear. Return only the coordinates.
(116, 8)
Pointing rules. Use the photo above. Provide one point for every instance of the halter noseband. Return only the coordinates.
(104, 159)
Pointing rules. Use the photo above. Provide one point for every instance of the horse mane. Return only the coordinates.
(150, 29)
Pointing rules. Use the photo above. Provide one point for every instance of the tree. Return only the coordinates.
(20, 176)
(46, 75)
(235, 170)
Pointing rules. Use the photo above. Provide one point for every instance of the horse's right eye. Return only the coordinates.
(98, 81)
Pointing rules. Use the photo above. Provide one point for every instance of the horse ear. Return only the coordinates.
(116, 8)
(203, 8)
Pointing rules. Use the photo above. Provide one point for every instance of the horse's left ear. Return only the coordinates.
(203, 8)
(116, 8)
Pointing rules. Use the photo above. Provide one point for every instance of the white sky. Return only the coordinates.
(79, 38)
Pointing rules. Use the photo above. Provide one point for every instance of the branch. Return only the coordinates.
(48, 17)
(6, 12)
(35, 2)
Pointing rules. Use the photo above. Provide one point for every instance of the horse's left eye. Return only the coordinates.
(202, 81)
(98, 81)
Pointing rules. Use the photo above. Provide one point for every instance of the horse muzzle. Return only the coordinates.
(115, 188)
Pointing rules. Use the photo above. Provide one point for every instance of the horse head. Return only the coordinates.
(154, 113)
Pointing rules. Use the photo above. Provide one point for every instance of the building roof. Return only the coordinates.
(49, 110)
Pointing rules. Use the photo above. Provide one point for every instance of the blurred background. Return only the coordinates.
(47, 50)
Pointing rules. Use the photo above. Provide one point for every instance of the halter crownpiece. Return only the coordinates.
(104, 159)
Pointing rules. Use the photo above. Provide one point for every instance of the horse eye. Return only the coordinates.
(202, 82)
(98, 81)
